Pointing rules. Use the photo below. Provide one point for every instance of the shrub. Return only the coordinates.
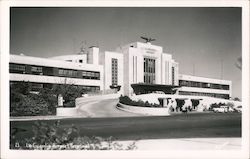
(28, 105)
(215, 105)
(180, 104)
(195, 103)
(54, 137)
(230, 104)
(69, 93)
(24, 103)
(126, 100)
(50, 98)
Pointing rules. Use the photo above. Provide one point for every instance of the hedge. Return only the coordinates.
(53, 136)
(44, 102)
(126, 100)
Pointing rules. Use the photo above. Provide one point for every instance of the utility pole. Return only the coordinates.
(193, 69)
(74, 45)
(221, 76)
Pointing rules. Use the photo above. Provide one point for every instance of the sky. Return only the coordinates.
(204, 41)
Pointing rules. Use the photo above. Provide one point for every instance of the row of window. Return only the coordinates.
(149, 65)
(90, 75)
(149, 70)
(51, 71)
(114, 71)
(203, 85)
(224, 96)
(38, 86)
(173, 77)
(67, 73)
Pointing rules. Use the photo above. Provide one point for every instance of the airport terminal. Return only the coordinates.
(136, 68)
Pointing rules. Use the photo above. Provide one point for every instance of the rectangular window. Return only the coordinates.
(225, 96)
(36, 86)
(114, 71)
(36, 70)
(52, 71)
(90, 75)
(49, 71)
(203, 85)
(173, 76)
(17, 68)
(149, 70)
(67, 73)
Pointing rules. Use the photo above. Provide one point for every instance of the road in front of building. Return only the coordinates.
(210, 125)
(102, 108)
(198, 131)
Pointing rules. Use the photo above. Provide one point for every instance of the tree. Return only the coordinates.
(69, 93)
(50, 98)
(23, 102)
(195, 103)
(236, 99)
(180, 103)
(238, 63)
(20, 87)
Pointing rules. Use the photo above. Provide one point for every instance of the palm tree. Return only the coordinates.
(238, 63)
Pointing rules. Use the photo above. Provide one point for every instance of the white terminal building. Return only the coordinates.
(136, 68)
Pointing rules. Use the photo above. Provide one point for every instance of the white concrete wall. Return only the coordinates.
(56, 80)
(206, 101)
(134, 61)
(93, 56)
(126, 75)
(63, 111)
(176, 72)
(144, 110)
(55, 63)
(144, 46)
(165, 68)
(135, 65)
(205, 80)
(134, 55)
(73, 58)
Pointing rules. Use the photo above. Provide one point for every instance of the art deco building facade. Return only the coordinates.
(135, 68)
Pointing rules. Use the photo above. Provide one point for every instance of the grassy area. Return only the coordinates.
(134, 128)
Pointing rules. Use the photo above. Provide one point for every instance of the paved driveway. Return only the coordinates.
(102, 108)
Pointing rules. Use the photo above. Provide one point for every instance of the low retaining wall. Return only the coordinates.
(144, 110)
(64, 111)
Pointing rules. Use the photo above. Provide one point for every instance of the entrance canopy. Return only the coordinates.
(142, 88)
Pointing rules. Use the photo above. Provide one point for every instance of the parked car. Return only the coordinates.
(219, 110)
(223, 109)
(238, 108)
(230, 109)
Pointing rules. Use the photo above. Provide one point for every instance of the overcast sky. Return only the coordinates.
(204, 41)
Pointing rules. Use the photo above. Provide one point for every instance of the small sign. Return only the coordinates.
(60, 100)
(150, 50)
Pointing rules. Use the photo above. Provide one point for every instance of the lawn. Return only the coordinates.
(201, 125)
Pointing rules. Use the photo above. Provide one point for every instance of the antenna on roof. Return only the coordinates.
(74, 45)
(83, 48)
(221, 75)
(193, 69)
